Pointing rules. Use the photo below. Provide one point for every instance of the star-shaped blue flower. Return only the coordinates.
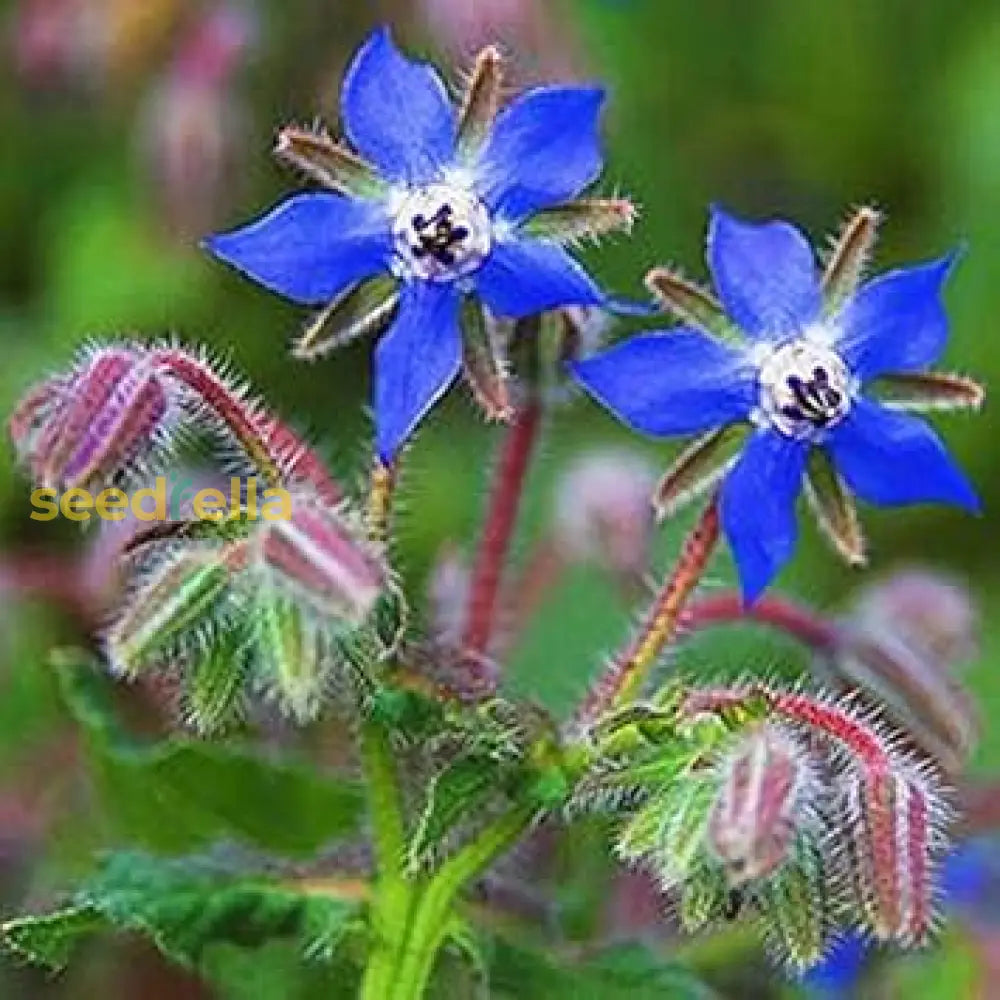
(797, 377)
(446, 218)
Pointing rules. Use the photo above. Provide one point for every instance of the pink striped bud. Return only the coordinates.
(895, 819)
(754, 817)
(89, 427)
(319, 555)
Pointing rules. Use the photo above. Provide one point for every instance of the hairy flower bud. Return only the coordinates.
(753, 820)
(89, 427)
(603, 511)
(175, 606)
(319, 556)
(895, 818)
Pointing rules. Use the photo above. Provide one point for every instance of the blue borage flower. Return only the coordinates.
(441, 201)
(795, 377)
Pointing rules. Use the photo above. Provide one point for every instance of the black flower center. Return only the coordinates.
(816, 401)
(438, 236)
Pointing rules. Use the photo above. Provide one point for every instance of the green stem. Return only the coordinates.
(430, 918)
(393, 896)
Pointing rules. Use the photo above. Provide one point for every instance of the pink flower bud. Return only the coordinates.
(760, 802)
(895, 819)
(88, 428)
(603, 511)
(317, 553)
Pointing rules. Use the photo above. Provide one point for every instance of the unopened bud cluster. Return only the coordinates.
(787, 806)
(237, 604)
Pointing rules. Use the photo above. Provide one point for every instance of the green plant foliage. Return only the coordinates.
(183, 907)
(626, 973)
(181, 794)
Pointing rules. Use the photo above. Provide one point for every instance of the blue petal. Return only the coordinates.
(310, 247)
(415, 362)
(841, 967)
(897, 322)
(672, 382)
(543, 149)
(890, 458)
(525, 276)
(397, 113)
(758, 508)
(765, 275)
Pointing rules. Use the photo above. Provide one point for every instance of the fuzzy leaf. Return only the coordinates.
(213, 693)
(456, 794)
(181, 794)
(366, 308)
(923, 391)
(697, 469)
(833, 506)
(628, 972)
(583, 219)
(795, 903)
(326, 162)
(689, 302)
(485, 361)
(849, 257)
(704, 897)
(183, 907)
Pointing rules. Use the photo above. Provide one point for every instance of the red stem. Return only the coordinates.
(627, 671)
(505, 499)
(797, 621)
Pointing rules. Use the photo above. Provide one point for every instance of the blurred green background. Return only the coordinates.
(128, 129)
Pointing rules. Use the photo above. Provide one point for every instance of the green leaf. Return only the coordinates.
(631, 972)
(456, 793)
(183, 907)
(181, 794)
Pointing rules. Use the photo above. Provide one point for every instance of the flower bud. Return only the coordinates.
(318, 555)
(175, 606)
(86, 429)
(603, 511)
(895, 819)
(753, 820)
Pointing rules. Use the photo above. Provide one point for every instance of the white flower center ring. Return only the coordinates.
(442, 233)
(804, 389)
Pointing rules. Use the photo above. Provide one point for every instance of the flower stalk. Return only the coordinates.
(629, 669)
(498, 528)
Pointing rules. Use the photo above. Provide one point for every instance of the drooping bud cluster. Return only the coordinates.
(257, 596)
(280, 595)
(792, 806)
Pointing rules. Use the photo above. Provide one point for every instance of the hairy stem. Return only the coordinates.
(383, 483)
(393, 897)
(629, 669)
(505, 500)
(799, 622)
(430, 919)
